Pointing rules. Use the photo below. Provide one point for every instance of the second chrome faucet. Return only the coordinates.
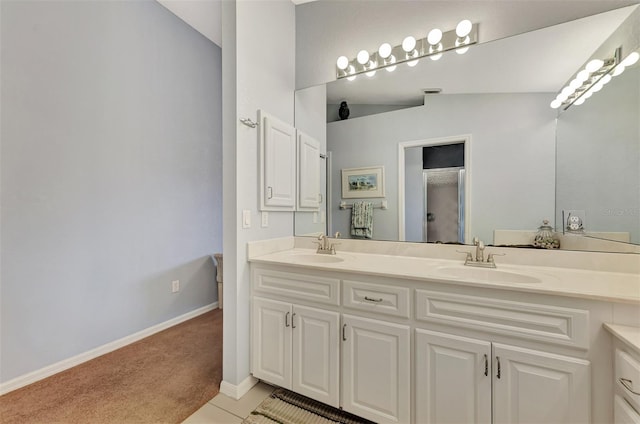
(324, 247)
(479, 259)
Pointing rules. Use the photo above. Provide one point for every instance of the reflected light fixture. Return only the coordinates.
(592, 78)
(409, 51)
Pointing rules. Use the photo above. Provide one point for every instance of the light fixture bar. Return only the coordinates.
(346, 68)
(587, 81)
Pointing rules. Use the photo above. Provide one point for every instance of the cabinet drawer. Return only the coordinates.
(550, 324)
(623, 413)
(376, 298)
(628, 377)
(297, 286)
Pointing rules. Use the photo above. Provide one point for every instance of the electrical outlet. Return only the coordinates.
(265, 219)
(246, 218)
(175, 286)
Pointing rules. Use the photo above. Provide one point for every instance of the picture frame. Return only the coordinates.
(363, 183)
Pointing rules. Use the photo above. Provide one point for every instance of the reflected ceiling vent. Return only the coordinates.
(432, 90)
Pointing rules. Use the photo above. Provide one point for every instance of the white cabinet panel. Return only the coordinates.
(453, 379)
(271, 344)
(277, 164)
(316, 353)
(375, 366)
(537, 387)
(308, 172)
(623, 413)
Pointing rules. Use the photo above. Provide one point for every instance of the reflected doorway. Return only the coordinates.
(434, 190)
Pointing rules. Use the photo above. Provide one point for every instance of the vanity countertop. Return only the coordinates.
(627, 334)
(588, 284)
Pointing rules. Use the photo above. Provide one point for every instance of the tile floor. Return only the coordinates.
(225, 410)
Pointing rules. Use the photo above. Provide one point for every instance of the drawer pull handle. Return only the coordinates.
(628, 384)
(344, 336)
(498, 361)
(486, 365)
(370, 299)
(286, 319)
(293, 323)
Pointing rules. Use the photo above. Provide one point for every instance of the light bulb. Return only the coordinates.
(434, 37)
(562, 97)
(579, 101)
(605, 79)
(464, 28)
(568, 91)
(596, 87)
(409, 44)
(618, 70)
(363, 57)
(587, 94)
(575, 84)
(583, 75)
(435, 56)
(631, 59)
(385, 50)
(370, 73)
(391, 68)
(413, 63)
(351, 78)
(555, 104)
(342, 62)
(594, 65)
(462, 50)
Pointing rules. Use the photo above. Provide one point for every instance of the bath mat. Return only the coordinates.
(285, 407)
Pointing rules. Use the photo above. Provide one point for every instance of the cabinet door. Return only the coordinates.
(316, 354)
(453, 379)
(278, 164)
(537, 387)
(308, 172)
(271, 341)
(375, 369)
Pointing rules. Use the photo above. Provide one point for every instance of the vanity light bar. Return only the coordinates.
(410, 51)
(589, 80)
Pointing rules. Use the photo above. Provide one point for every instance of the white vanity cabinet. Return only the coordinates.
(277, 164)
(402, 351)
(626, 373)
(459, 378)
(376, 369)
(296, 347)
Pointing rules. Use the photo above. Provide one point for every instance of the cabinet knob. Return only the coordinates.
(344, 335)
(286, 319)
(269, 192)
(486, 365)
(498, 361)
(293, 323)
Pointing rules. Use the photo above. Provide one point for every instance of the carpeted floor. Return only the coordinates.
(163, 378)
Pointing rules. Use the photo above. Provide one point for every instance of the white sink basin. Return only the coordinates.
(315, 258)
(486, 274)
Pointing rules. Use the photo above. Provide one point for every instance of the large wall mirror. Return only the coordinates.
(518, 161)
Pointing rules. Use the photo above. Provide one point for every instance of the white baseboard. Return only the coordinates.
(236, 392)
(65, 364)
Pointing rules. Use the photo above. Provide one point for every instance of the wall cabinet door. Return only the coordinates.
(537, 387)
(375, 369)
(453, 379)
(308, 172)
(316, 352)
(277, 164)
(271, 341)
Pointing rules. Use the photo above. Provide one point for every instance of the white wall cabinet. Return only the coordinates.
(296, 347)
(375, 369)
(309, 194)
(458, 378)
(277, 164)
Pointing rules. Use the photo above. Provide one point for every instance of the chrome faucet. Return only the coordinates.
(324, 247)
(479, 259)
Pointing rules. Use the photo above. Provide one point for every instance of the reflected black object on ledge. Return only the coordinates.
(343, 112)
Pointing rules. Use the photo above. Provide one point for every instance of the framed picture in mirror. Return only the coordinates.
(361, 183)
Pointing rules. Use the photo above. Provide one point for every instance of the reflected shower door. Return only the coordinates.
(443, 205)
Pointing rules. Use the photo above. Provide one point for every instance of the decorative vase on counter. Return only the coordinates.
(545, 237)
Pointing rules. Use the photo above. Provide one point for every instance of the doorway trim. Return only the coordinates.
(441, 141)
